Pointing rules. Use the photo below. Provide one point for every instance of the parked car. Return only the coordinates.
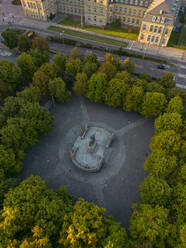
(162, 67)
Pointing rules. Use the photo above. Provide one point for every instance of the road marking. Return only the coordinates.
(181, 75)
(181, 86)
(183, 66)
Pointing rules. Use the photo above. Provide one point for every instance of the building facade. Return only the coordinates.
(154, 18)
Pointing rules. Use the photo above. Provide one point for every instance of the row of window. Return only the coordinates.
(72, 1)
(71, 10)
(95, 1)
(95, 10)
(152, 38)
(31, 5)
(155, 29)
(124, 19)
(95, 19)
(128, 11)
(133, 2)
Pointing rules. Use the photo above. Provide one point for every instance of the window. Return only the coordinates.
(101, 11)
(119, 17)
(155, 29)
(124, 19)
(166, 31)
(151, 28)
(128, 20)
(110, 9)
(31, 5)
(139, 12)
(125, 10)
(110, 18)
(134, 11)
(88, 9)
(100, 20)
(163, 41)
(160, 29)
(133, 20)
(152, 39)
(28, 5)
(148, 38)
(116, 8)
(89, 18)
(144, 26)
(101, 1)
(95, 18)
(120, 9)
(95, 1)
(157, 39)
(24, 4)
(137, 21)
(95, 10)
(130, 11)
(142, 37)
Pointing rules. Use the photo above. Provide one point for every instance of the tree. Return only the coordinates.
(18, 134)
(5, 91)
(31, 204)
(57, 89)
(155, 191)
(41, 81)
(50, 69)
(178, 203)
(91, 58)
(115, 93)
(24, 43)
(129, 66)
(160, 164)
(9, 73)
(108, 69)
(5, 186)
(154, 104)
(86, 226)
(175, 105)
(169, 141)
(90, 68)
(97, 86)
(60, 60)
(76, 54)
(125, 76)
(73, 66)
(30, 94)
(149, 226)
(10, 38)
(40, 44)
(81, 84)
(27, 66)
(172, 92)
(168, 121)
(167, 80)
(155, 87)
(145, 76)
(8, 162)
(134, 99)
(109, 58)
(40, 57)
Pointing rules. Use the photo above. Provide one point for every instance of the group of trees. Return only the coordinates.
(31, 215)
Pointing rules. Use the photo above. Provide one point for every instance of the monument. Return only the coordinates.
(88, 151)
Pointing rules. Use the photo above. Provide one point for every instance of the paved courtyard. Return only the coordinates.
(115, 187)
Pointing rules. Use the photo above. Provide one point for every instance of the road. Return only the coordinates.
(142, 66)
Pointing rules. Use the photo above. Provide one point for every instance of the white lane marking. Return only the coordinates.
(181, 86)
(181, 75)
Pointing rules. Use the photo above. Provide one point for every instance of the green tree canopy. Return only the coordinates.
(81, 84)
(24, 43)
(155, 191)
(73, 66)
(125, 76)
(115, 93)
(168, 121)
(76, 54)
(41, 81)
(149, 226)
(86, 226)
(40, 44)
(57, 89)
(128, 66)
(167, 80)
(91, 58)
(30, 94)
(50, 69)
(178, 203)
(9, 73)
(10, 38)
(169, 141)
(26, 64)
(60, 60)
(97, 86)
(154, 104)
(134, 99)
(39, 57)
(108, 69)
(90, 68)
(160, 164)
(155, 87)
(175, 105)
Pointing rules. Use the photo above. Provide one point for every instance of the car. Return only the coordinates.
(162, 67)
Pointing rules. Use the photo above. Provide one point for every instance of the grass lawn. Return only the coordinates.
(178, 40)
(88, 36)
(116, 32)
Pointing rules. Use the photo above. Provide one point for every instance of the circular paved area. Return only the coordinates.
(115, 187)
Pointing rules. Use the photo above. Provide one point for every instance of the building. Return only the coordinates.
(154, 18)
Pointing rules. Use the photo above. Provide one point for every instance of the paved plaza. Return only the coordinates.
(115, 186)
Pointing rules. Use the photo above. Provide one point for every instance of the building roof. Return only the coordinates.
(162, 9)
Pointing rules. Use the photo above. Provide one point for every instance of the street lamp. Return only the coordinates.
(62, 35)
